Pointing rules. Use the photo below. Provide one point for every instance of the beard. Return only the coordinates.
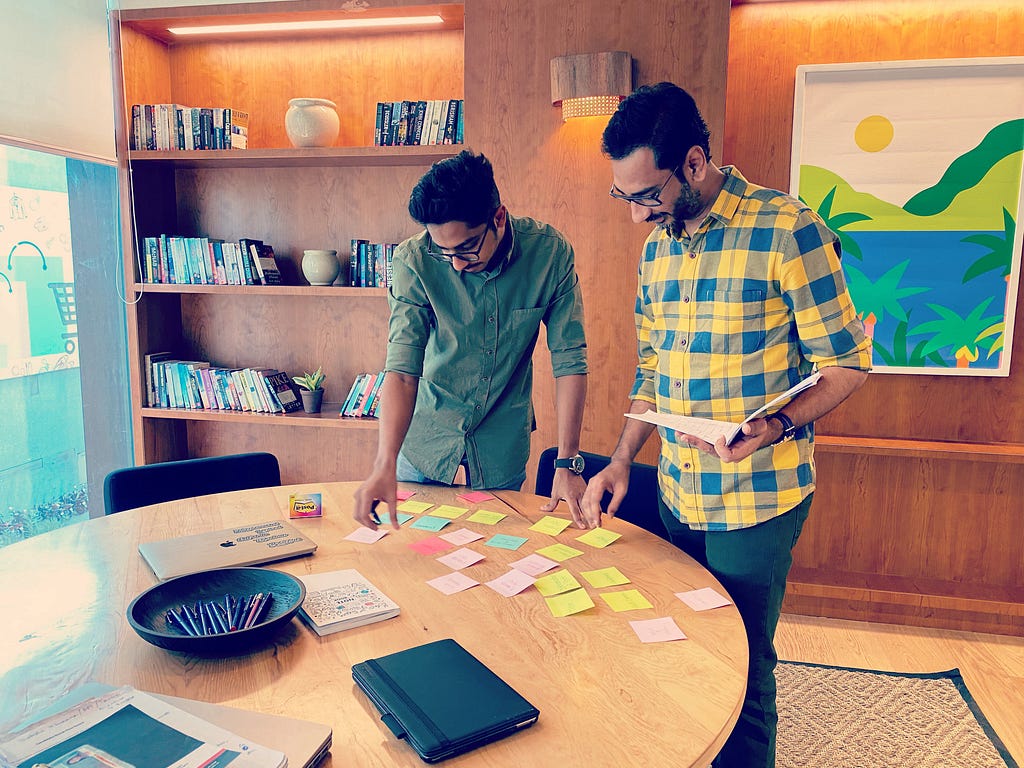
(686, 207)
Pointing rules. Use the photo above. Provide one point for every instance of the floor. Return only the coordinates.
(992, 665)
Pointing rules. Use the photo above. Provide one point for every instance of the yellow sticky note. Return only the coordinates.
(559, 552)
(599, 537)
(486, 517)
(556, 583)
(415, 506)
(605, 577)
(550, 525)
(447, 510)
(627, 600)
(569, 603)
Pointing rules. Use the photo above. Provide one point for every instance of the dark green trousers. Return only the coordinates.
(752, 564)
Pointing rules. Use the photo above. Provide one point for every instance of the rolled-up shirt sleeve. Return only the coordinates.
(566, 340)
(410, 322)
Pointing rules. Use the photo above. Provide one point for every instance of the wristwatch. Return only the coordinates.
(788, 427)
(574, 464)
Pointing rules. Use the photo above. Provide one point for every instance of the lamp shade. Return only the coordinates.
(591, 83)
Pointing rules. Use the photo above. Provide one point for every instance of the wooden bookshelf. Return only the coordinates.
(293, 198)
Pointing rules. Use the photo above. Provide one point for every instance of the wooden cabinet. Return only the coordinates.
(295, 199)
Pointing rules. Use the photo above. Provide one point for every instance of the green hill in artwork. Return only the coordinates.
(970, 196)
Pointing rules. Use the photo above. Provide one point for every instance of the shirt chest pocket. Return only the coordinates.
(729, 322)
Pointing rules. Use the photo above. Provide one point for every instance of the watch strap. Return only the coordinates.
(788, 427)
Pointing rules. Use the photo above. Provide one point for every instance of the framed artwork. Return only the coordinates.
(916, 165)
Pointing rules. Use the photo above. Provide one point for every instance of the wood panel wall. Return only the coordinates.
(555, 172)
(911, 534)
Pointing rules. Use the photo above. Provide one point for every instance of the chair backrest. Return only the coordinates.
(639, 507)
(153, 483)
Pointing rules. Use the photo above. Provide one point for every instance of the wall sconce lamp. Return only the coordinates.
(591, 83)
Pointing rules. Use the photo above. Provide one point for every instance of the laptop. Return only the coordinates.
(246, 545)
(442, 699)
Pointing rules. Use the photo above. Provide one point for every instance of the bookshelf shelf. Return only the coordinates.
(264, 290)
(320, 157)
(1004, 453)
(328, 418)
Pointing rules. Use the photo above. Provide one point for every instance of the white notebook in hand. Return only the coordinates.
(710, 430)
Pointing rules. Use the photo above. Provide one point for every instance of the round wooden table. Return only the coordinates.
(605, 698)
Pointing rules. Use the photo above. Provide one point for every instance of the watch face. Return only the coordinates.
(576, 464)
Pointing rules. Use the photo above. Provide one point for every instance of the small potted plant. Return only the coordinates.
(312, 389)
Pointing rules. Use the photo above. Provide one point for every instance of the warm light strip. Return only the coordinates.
(296, 26)
(589, 106)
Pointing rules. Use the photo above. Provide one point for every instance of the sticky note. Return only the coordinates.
(657, 630)
(428, 523)
(474, 497)
(415, 506)
(626, 600)
(605, 577)
(504, 541)
(452, 583)
(447, 510)
(569, 603)
(599, 537)
(366, 536)
(385, 518)
(559, 552)
(305, 505)
(486, 517)
(556, 583)
(430, 546)
(461, 536)
(534, 564)
(511, 583)
(460, 558)
(550, 525)
(403, 495)
(703, 599)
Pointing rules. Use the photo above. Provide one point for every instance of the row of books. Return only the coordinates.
(364, 396)
(403, 123)
(196, 385)
(176, 126)
(370, 264)
(209, 261)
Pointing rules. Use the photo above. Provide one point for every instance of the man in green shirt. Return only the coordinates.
(467, 299)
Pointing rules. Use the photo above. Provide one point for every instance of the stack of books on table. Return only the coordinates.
(364, 396)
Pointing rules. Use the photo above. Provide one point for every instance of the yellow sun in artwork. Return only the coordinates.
(873, 133)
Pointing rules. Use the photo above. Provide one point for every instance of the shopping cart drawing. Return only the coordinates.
(64, 295)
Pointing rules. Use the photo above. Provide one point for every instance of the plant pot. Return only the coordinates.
(312, 122)
(320, 267)
(311, 401)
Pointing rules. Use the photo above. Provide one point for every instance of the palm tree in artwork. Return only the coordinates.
(874, 299)
(1000, 250)
(963, 335)
(836, 222)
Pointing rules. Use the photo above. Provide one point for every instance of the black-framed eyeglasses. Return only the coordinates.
(470, 255)
(650, 200)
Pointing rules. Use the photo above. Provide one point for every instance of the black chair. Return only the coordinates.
(639, 507)
(153, 483)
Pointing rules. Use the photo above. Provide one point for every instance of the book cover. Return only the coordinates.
(286, 392)
(269, 268)
(305, 505)
(339, 600)
(249, 269)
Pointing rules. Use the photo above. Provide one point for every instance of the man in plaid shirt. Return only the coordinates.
(740, 296)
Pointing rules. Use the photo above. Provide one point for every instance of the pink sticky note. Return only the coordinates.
(430, 545)
(534, 565)
(460, 558)
(657, 630)
(475, 497)
(366, 536)
(452, 583)
(461, 536)
(703, 599)
(511, 583)
(403, 495)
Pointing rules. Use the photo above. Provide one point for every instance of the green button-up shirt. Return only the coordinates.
(469, 337)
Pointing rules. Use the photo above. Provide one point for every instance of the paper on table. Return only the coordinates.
(710, 430)
(703, 599)
(511, 583)
(657, 630)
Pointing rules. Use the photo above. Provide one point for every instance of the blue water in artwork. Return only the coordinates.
(937, 261)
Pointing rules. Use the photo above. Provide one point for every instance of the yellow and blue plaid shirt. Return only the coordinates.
(728, 319)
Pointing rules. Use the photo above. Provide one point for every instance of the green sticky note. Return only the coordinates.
(402, 518)
(569, 603)
(415, 506)
(627, 600)
(450, 512)
(599, 537)
(486, 517)
(605, 577)
(556, 583)
(505, 541)
(559, 552)
(550, 525)
(428, 523)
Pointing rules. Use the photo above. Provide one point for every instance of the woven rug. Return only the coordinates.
(836, 717)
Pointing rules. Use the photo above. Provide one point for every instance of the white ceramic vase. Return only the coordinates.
(312, 122)
(320, 267)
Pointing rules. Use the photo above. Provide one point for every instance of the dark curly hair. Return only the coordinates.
(663, 117)
(460, 188)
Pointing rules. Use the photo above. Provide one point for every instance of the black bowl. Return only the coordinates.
(148, 612)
